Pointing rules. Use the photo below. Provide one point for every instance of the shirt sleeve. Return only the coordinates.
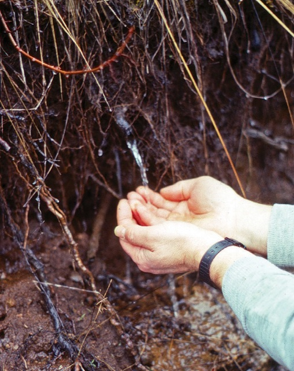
(280, 243)
(262, 297)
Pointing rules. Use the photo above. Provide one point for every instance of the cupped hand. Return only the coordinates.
(203, 201)
(165, 247)
(208, 204)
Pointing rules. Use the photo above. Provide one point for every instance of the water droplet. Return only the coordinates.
(265, 98)
(100, 152)
(33, 59)
(66, 76)
(54, 72)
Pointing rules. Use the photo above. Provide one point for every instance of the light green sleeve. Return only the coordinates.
(280, 244)
(262, 297)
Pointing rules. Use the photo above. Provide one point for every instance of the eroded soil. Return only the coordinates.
(27, 335)
(170, 323)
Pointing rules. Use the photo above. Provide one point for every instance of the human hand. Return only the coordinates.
(203, 201)
(207, 203)
(167, 247)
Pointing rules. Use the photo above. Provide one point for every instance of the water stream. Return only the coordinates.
(119, 113)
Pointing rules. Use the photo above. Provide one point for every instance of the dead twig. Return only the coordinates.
(55, 209)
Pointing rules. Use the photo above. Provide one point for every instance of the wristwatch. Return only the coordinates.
(210, 254)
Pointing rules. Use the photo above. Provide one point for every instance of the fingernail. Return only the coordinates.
(141, 189)
(120, 231)
(134, 204)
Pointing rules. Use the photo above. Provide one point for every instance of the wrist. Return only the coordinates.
(209, 256)
(200, 252)
(252, 225)
(223, 261)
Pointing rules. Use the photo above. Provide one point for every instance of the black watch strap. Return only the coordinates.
(211, 254)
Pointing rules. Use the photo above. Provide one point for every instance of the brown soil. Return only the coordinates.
(169, 324)
(28, 338)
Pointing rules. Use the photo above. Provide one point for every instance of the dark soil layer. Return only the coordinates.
(28, 338)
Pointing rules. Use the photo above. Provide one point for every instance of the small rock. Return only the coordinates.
(75, 277)
(11, 302)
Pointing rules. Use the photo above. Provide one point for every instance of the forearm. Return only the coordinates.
(267, 231)
(262, 297)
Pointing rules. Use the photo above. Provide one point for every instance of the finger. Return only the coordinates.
(120, 231)
(129, 247)
(137, 253)
(133, 251)
(179, 191)
(135, 196)
(149, 217)
(141, 258)
(133, 237)
(135, 199)
(124, 213)
(155, 199)
(134, 205)
(147, 214)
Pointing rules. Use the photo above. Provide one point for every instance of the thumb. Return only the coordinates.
(180, 191)
(173, 192)
(135, 235)
(120, 231)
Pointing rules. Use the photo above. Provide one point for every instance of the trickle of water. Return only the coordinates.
(132, 145)
(131, 141)
(172, 293)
